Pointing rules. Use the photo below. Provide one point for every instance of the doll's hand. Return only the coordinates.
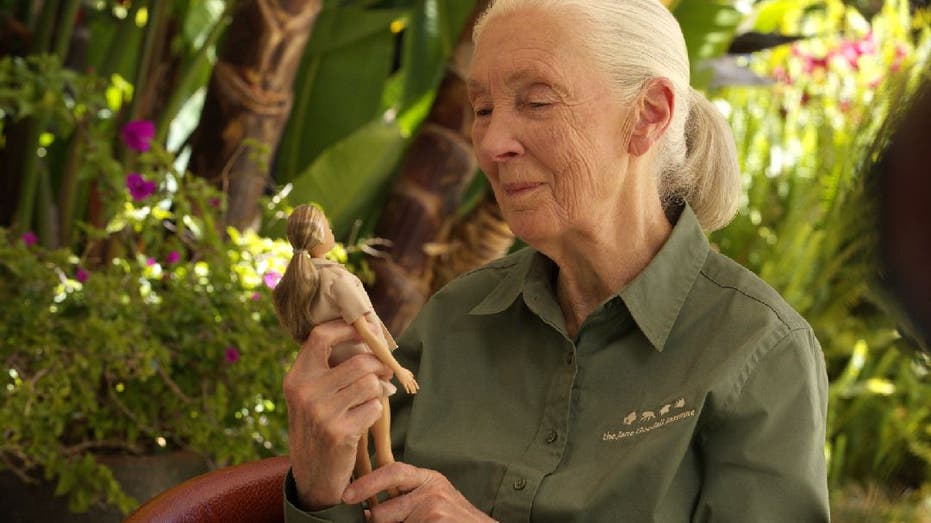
(406, 379)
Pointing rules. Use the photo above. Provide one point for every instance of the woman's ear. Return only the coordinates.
(653, 112)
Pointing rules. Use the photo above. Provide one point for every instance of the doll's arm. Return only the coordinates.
(380, 348)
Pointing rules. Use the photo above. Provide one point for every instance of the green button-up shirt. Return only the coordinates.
(694, 394)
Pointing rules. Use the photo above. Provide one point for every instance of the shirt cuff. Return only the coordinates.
(335, 514)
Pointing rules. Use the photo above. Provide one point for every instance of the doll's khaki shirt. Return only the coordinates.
(340, 295)
(694, 394)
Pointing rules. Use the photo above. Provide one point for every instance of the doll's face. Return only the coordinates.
(327, 244)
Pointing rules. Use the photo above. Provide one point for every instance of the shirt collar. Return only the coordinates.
(511, 285)
(654, 297)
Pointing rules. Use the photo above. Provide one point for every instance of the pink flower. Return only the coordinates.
(215, 202)
(231, 354)
(172, 258)
(256, 296)
(271, 279)
(81, 275)
(29, 238)
(900, 53)
(139, 187)
(781, 75)
(851, 52)
(150, 261)
(138, 134)
(812, 64)
(867, 45)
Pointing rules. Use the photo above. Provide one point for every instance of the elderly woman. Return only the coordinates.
(618, 369)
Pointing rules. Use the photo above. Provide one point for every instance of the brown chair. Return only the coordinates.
(247, 493)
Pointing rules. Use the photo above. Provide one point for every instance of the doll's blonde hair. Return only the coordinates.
(292, 296)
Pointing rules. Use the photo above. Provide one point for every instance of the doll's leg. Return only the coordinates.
(381, 433)
(364, 464)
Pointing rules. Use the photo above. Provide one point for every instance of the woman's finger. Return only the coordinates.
(396, 509)
(315, 351)
(401, 476)
(365, 388)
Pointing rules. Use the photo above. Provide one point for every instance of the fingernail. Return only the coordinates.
(391, 388)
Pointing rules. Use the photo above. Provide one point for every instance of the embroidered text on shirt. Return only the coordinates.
(637, 422)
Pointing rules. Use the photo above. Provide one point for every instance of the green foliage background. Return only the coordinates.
(136, 357)
(808, 144)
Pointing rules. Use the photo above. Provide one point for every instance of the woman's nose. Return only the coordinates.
(499, 140)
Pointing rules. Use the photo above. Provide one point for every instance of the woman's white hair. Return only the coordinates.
(637, 41)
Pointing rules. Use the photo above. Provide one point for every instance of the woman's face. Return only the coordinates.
(548, 131)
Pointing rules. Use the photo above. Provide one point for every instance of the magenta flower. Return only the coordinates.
(138, 134)
(139, 187)
(150, 261)
(215, 202)
(867, 45)
(900, 53)
(851, 52)
(172, 258)
(271, 279)
(231, 354)
(81, 275)
(811, 64)
(29, 238)
(256, 296)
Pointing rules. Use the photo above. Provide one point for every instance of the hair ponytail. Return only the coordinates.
(300, 282)
(709, 179)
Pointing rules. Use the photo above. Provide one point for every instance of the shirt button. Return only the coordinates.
(520, 484)
(552, 436)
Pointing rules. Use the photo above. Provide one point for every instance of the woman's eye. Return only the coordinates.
(537, 105)
(483, 111)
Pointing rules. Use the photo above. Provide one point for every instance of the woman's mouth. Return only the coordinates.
(520, 188)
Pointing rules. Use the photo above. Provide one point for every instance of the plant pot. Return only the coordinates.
(142, 477)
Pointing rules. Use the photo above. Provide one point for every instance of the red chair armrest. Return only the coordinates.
(246, 493)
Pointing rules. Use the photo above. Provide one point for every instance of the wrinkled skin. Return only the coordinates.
(549, 132)
(567, 162)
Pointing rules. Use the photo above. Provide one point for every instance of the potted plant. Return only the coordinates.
(167, 343)
(153, 335)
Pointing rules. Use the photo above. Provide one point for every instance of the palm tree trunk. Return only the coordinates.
(436, 170)
(480, 237)
(249, 99)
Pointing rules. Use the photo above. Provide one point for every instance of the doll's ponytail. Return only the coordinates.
(297, 288)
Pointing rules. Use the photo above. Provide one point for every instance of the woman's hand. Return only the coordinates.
(406, 379)
(426, 495)
(328, 411)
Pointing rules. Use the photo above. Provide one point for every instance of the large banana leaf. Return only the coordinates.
(429, 43)
(340, 82)
(349, 175)
(338, 125)
(708, 26)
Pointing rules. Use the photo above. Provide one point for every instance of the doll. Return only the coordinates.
(314, 290)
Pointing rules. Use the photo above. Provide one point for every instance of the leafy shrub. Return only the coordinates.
(172, 345)
(807, 221)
